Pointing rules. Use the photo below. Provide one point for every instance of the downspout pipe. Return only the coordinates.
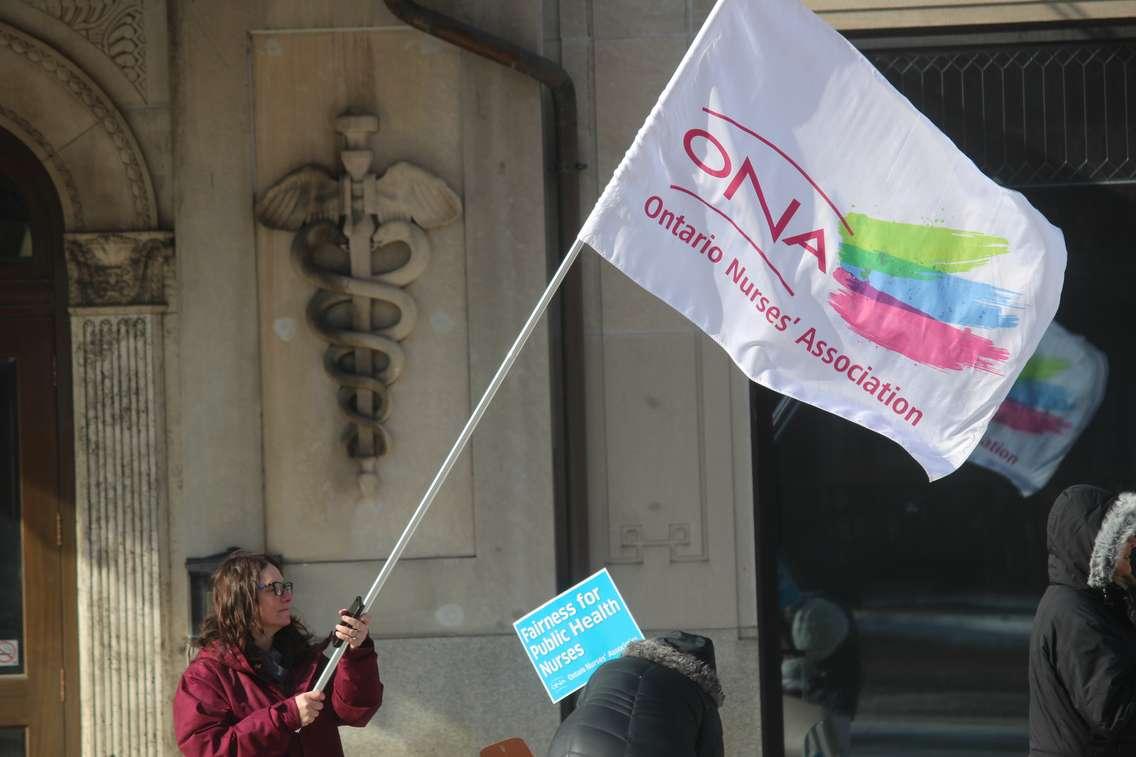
(566, 338)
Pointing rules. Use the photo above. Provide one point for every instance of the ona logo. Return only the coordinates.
(710, 156)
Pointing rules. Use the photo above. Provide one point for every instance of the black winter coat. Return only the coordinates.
(641, 705)
(1082, 664)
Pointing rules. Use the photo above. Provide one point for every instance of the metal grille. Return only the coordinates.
(1029, 115)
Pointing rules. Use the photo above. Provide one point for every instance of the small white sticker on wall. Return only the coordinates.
(285, 328)
(441, 323)
(450, 615)
(9, 653)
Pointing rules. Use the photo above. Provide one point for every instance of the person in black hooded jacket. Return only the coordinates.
(1082, 662)
(660, 699)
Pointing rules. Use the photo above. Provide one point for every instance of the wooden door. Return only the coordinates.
(37, 586)
(31, 632)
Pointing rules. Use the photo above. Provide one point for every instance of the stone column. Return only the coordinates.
(118, 297)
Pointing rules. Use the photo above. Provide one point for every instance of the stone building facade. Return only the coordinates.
(196, 410)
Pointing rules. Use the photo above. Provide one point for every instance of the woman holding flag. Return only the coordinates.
(248, 690)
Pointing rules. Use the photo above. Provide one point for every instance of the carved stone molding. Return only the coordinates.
(115, 27)
(120, 269)
(64, 181)
(349, 231)
(120, 498)
(633, 540)
(59, 71)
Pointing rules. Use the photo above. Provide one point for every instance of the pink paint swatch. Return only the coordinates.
(1029, 419)
(913, 333)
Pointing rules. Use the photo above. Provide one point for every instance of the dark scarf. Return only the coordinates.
(1121, 601)
(270, 664)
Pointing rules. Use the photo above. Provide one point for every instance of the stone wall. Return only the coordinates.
(259, 89)
(670, 493)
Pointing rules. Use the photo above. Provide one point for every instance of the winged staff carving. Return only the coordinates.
(351, 234)
(405, 192)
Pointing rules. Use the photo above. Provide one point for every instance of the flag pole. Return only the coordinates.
(459, 445)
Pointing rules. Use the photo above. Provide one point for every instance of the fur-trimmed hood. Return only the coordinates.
(661, 653)
(1118, 527)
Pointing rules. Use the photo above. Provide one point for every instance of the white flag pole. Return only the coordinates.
(456, 450)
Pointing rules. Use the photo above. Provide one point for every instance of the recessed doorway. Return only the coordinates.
(38, 636)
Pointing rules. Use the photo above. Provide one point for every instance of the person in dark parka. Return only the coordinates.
(660, 699)
(1082, 663)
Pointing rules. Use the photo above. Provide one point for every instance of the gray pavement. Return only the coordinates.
(943, 682)
(938, 739)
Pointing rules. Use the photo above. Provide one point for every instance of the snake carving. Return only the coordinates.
(352, 234)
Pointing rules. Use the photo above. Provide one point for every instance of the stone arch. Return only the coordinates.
(78, 134)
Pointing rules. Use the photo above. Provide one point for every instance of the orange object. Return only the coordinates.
(513, 747)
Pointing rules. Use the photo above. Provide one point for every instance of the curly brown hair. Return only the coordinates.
(233, 618)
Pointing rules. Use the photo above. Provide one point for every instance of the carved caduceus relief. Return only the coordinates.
(346, 244)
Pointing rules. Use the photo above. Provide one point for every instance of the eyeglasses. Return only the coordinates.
(279, 588)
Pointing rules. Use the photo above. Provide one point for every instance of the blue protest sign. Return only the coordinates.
(572, 634)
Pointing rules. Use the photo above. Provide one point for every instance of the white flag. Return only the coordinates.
(789, 202)
(1054, 398)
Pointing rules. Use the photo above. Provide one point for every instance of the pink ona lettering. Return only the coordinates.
(811, 241)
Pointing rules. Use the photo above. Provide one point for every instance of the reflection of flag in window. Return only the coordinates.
(1037, 402)
(1053, 399)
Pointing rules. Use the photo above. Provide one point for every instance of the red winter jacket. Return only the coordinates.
(223, 707)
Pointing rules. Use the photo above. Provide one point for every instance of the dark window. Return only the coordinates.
(15, 225)
(12, 742)
(11, 554)
(943, 578)
(1029, 115)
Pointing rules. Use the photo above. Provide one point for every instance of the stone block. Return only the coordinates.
(625, 19)
(629, 308)
(575, 19)
(448, 696)
(220, 460)
(630, 75)
(666, 519)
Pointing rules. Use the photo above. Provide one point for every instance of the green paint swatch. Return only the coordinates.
(864, 262)
(1041, 367)
(934, 247)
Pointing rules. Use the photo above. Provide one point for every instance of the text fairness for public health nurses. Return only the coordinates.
(560, 626)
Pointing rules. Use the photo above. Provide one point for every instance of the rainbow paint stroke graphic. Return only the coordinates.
(902, 290)
(1034, 402)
